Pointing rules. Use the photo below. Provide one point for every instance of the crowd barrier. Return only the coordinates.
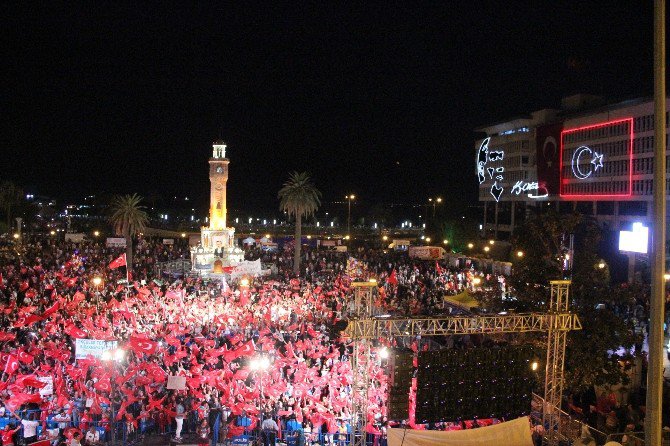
(127, 434)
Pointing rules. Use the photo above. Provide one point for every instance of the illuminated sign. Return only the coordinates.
(534, 189)
(485, 156)
(496, 174)
(636, 240)
(597, 160)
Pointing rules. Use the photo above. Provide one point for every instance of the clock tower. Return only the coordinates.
(218, 178)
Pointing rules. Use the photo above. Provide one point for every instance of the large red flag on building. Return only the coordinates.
(120, 261)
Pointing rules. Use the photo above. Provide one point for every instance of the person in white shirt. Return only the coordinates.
(269, 428)
(92, 436)
(29, 428)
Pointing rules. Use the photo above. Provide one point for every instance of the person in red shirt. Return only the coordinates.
(7, 435)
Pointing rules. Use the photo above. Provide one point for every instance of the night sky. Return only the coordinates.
(376, 100)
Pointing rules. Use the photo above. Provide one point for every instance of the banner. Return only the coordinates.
(246, 268)
(116, 242)
(93, 347)
(547, 142)
(168, 241)
(76, 237)
(176, 383)
(510, 433)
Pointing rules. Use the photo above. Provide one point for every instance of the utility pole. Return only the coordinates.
(652, 432)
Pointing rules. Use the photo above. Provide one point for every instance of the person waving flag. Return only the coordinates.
(118, 262)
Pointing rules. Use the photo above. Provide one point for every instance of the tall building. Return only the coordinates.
(586, 156)
(217, 248)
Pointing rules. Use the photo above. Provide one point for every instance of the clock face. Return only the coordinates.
(218, 186)
(219, 169)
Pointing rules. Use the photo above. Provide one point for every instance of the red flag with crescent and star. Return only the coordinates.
(118, 262)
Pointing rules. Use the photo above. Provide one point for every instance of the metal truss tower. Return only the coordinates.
(553, 378)
(363, 328)
(360, 359)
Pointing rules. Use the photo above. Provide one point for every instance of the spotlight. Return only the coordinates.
(384, 353)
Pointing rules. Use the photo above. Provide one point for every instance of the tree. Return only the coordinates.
(300, 198)
(591, 355)
(128, 218)
(10, 196)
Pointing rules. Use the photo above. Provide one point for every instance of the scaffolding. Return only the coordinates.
(364, 327)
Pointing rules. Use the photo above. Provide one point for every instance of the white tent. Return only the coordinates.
(510, 433)
(249, 241)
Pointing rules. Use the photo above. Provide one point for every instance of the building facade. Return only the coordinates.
(587, 157)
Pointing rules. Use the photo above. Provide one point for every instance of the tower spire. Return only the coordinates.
(218, 178)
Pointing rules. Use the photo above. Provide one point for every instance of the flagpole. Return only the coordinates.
(127, 278)
(654, 401)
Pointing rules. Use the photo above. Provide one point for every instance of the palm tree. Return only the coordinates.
(128, 218)
(10, 197)
(300, 198)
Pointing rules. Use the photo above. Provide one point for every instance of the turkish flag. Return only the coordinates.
(12, 365)
(142, 346)
(51, 310)
(7, 336)
(25, 358)
(31, 381)
(120, 261)
(30, 320)
(246, 349)
(437, 268)
(75, 332)
(103, 385)
(393, 279)
(24, 286)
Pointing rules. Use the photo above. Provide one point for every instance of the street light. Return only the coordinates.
(260, 364)
(244, 282)
(349, 199)
(427, 239)
(486, 249)
(52, 232)
(96, 233)
(385, 237)
(519, 254)
(183, 235)
(16, 235)
(445, 242)
(435, 202)
(97, 281)
(601, 265)
(470, 245)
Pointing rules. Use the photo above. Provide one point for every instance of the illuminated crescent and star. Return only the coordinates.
(596, 160)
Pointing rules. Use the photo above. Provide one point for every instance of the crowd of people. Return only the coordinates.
(243, 350)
